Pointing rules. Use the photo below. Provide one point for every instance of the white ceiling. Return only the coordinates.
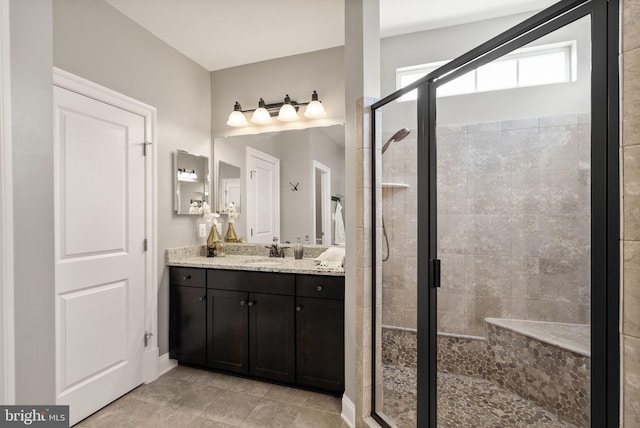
(219, 34)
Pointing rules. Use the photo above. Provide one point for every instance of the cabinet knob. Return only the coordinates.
(186, 277)
(299, 308)
(242, 302)
(250, 303)
(320, 287)
(203, 298)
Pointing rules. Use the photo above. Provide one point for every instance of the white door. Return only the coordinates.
(263, 196)
(99, 193)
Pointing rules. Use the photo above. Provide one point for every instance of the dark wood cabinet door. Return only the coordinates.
(320, 343)
(227, 330)
(271, 335)
(187, 331)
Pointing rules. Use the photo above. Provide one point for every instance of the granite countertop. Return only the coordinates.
(194, 257)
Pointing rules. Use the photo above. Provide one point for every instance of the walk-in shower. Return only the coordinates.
(490, 311)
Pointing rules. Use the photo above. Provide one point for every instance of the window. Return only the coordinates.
(531, 66)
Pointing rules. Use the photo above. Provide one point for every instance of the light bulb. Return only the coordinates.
(236, 118)
(314, 110)
(261, 116)
(287, 111)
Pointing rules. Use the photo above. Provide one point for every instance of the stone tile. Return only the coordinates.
(631, 98)
(630, 30)
(483, 152)
(631, 193)
(453, 275)
(271, 414)
(451, 152)
(166, 417)
(559, 120)
(195, 397)
(327, 403)
(232, 408)
(450, 129)
(631, 381)
(249, 387)
(584, 146)
(521, 192)
(631, 288)
(451, 234)
(564, 236)
(559, 147)
(452, 192)
(554, 311)
(485, 193)
(486, 234)
(519, 124)
(307, 417)
(520, 150)
(584, 118)
(559, 192)
(287, 394)
(200, 422)
(483, 127)
(161, 391)
(125, 412)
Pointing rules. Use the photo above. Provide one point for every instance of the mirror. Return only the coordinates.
(191, 179)
(290, 183)
(228, 187)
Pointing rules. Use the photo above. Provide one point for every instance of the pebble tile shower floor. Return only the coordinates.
(463, 401)
(191, 398)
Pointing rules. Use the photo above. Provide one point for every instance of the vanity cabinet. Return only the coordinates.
(251, 323)
(320, 332)
(283, 327)
(188, 316)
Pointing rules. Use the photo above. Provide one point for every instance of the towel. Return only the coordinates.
(338, 232)
(331, 259)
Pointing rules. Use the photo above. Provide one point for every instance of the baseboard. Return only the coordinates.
(348, 411)
(165, 364)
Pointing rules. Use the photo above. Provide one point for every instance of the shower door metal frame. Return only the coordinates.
(605, 202)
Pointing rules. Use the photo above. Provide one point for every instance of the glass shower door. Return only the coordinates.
(513, 162)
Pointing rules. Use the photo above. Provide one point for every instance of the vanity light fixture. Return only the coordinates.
(236, 118)
(286, 111)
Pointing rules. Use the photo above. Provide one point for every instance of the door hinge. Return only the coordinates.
(145, 244)
(147, 336)
(144, 147)
(434, 273)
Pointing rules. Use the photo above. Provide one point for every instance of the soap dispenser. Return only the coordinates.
(297, 249)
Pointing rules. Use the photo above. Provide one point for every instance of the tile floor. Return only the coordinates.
(190, 398)
(463, 401)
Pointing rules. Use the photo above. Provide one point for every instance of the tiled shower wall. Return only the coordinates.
(513, 224)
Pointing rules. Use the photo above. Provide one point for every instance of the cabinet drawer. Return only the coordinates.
(326, 287)
(191, 277)
(253, 282)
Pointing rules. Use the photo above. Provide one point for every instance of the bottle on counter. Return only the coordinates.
(298, 249)
(306, 239)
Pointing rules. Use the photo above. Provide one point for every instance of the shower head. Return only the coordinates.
(400, 135)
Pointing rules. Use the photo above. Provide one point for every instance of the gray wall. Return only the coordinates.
(450, 42)
(297, 75)
(32, 127)
(95, 41)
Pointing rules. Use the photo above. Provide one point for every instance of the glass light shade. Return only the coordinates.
(261, 116)
(287, 113)
(236, 118)
(314, 109)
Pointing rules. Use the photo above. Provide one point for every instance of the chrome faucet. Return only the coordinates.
(274, 250)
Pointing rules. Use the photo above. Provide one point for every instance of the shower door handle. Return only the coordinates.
(434, 273)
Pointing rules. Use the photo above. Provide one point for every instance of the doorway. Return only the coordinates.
(322, 204)
(104, 262)
(512, 204)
